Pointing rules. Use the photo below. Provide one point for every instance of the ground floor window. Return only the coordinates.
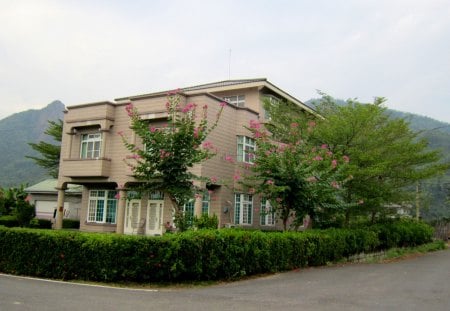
(267, 213)
(102, 206)
(243, 208)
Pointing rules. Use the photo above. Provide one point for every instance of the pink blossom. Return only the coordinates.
(223, 104)
(174, 92)
(324, 146)
(254, 124)
(205, 106)
(129, 108)
(120, 133)
(318, 158)
(164, 154)
(153, 129)
(329, 153)
(207, 145)
(213, 179)
(311, 124)
(346, 159)
(117, 196)
(334, 163)
(258, 134)
(335, 184)
(188, 107)
(294, 124)
(269, 182)
(229, 159)
(237, 176)
(196, 132)
(28, 198)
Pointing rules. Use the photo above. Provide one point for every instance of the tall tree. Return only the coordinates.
(50, 153)
(169, 152)
(297, 178)
(385, 155)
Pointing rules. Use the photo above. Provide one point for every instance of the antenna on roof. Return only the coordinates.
(229, 64)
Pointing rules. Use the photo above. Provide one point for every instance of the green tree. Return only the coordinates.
(297, 178)
(170, 152)
(50, 153)
(386, 156)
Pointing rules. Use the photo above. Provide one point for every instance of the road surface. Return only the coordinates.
(421, 283)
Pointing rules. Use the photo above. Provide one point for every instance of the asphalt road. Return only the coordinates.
(421, 283)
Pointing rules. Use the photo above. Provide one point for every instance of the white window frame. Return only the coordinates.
(243, 209)
(267, 213)
(102, 207)
(91, 146)
(237, 100)
(206, 201)
(245, 149)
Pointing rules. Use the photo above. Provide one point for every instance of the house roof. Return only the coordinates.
(229, 85)
(49, 186)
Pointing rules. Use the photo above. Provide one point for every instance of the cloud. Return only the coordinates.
(84, 51)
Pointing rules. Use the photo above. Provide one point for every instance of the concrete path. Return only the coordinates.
(421, 283)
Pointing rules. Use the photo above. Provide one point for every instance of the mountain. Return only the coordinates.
(16, 132)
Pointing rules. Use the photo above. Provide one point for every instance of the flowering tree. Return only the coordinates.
(296, 178)
(170, 151)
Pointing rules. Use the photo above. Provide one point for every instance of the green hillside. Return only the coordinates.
(16, 131)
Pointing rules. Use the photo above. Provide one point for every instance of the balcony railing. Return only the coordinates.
(86, 167)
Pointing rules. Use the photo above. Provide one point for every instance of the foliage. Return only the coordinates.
(193, 255)
(170, 152)
(71, 223)
(24, 213)
(206, 222)
(50, 153)
(41, 223)
(385, 155)
(297, 178)
(9, 221)
(10, 198)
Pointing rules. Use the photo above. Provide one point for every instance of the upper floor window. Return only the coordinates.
(90, 146)
(237, 100)
(243, 208)
(245, 149)
(102, 206)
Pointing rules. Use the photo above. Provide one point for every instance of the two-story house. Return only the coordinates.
(92, 156)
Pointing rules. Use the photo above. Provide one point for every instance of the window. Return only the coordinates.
(243, 209)
(102, 206)
(205, 203)
(245, 149)
(267, 213)
(90, 146)
(188, 210)
(237, 100)
(189, 207)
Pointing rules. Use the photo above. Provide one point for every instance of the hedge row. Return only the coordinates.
(199, 255)
(11, 221)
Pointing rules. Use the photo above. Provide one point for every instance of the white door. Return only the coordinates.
(154, 217)
(132, 217)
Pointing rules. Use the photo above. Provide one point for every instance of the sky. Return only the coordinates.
(87, 51)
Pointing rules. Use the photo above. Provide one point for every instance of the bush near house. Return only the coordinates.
(193, 255)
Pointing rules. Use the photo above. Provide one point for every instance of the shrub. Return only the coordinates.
(24, 212)
(192, 255)
(206, 222)
(71, 224)
(9, 221)
(41, 223)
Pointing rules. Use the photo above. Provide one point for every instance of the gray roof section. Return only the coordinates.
(222, 83)
(49, 186)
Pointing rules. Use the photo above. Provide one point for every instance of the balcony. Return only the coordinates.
(86, 167)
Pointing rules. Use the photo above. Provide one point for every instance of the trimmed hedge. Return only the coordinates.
(9, 221)
(193, 255)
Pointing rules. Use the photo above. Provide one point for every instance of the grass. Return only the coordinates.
(399, 253)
